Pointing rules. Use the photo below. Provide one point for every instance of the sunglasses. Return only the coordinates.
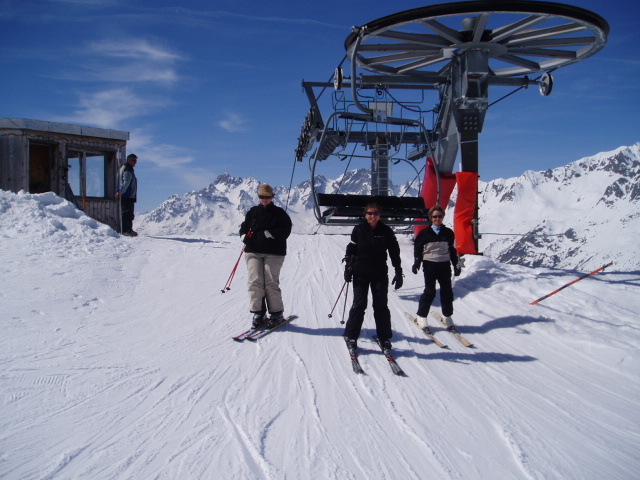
(264, 197)
(437, 216)
(375, 212)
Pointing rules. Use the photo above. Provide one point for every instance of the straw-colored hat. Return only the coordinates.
(265, 190)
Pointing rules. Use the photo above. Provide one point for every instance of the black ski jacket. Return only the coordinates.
(260, 219)
(367, 251)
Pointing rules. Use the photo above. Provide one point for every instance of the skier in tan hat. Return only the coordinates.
(264, 232)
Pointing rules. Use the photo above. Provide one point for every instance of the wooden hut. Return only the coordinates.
(75, 162)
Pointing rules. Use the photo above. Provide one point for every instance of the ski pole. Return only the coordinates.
(227, 286)
(120, 212)
(571, 283)
(346, 295)
(337, 299)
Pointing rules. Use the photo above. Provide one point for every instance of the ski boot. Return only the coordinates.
(258, 321)
(275, 320)
(449, 323)
(352, 345)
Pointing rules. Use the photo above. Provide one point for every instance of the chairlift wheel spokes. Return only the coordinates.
(520, 37)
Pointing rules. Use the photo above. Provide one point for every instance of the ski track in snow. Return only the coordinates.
(120, 365)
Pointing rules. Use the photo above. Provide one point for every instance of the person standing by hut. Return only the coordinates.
(127, 193)
(264, 232)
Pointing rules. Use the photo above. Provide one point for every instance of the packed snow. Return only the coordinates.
(116, 361)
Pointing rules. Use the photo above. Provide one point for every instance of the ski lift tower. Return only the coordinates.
(458, 49)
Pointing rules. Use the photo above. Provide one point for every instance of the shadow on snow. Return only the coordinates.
(366, 339)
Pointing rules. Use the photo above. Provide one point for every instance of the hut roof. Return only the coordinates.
(44, 126)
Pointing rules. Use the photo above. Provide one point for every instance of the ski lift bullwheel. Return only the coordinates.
(461, 48)
(520, 37)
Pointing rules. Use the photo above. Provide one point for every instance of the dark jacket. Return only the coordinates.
(260, 219)
(128, 183)
(367, 251)
(432, 247)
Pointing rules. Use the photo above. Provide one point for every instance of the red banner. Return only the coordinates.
(465, 212)
(435, 190)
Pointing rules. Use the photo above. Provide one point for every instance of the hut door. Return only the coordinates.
(40, 164)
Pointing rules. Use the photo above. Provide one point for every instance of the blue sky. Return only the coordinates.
(208, 87)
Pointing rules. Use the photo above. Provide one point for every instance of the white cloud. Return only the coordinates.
(136, 63)
(133, 73)
(131, 60)
(128, 72)
(135, 48)
(175, 162)
(233, 123)
(161, 154)
(109, 108)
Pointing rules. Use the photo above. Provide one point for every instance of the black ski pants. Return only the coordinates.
(436, 272)
(379, 286)
(127, 206)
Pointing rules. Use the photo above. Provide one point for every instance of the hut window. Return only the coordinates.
(88, 173)
(96, 169)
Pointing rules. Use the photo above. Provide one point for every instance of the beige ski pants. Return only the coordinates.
(264, 281)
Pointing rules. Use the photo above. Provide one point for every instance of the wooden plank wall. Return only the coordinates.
(14, 174)
(103, 210)
(13, 171)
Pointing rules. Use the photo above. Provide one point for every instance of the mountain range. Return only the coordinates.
(579, 216)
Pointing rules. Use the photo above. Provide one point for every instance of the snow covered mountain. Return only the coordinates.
(579, 216)
(220, 207)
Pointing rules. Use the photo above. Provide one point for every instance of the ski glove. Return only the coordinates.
(397, 279)
(416, 266)
(348, 269)
(348, 274)
(457, 270)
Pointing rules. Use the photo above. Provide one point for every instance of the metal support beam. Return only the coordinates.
(380, 168)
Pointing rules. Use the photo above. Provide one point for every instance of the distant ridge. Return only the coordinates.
(579, 216)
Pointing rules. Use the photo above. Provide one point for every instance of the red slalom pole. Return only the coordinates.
(227, 286)
(571, 283)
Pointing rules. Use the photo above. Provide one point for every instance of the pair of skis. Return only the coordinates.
(395, 368)
(425, 330)
(357, 368)
(453, 330)
(432, 337)
(254, 334)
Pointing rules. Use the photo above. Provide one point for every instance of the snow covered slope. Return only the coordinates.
(116, 363)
